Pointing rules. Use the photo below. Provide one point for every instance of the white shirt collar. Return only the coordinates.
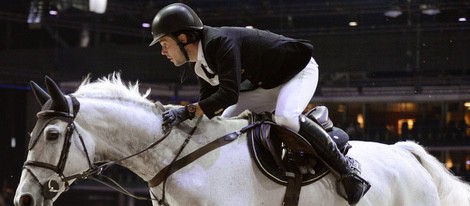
(200, 54)
(201, 60)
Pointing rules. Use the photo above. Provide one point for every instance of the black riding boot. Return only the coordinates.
(354, 186)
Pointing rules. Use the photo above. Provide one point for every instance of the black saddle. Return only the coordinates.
(280, 152)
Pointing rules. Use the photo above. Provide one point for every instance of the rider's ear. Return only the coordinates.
(183, 38)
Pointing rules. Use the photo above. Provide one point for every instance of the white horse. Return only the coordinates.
(114, 121)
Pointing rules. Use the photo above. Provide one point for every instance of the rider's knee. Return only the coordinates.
(288, 122)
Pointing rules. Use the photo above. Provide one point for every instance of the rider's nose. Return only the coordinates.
(26, 200)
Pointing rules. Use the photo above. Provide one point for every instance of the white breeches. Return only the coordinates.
(288, 100)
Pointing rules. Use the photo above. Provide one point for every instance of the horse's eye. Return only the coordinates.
(52, 134)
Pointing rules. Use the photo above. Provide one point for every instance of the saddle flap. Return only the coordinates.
(273, 145)
(278, 151)
(293, 140)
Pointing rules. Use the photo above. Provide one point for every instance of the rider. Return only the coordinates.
(245, 68)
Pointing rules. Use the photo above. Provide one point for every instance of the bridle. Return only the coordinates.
(52, 187)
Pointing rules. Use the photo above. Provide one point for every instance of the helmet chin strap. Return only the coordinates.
(181, 45)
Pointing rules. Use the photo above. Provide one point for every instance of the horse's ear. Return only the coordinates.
(40, 94)
(59, 102)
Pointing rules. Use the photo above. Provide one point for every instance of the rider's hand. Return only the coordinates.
(175, 116)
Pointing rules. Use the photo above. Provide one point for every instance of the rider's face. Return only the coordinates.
(171, 50)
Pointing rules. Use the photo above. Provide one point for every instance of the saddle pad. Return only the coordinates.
(264, 159)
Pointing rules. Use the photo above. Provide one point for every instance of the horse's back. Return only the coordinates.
(396, 176)
(229, 176)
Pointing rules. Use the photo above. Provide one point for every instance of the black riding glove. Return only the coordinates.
(173, 117)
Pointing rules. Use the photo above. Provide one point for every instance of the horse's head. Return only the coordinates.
(58, 154)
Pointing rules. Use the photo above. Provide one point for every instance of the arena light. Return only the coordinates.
(145, 25)
(53, 12)
(13, 142)
(353, 23)
(98, 6)
(353, 20)
(84, 37)
(462, 16)
(393, 12)
(449, 163)
(35, 14)
(429, 9)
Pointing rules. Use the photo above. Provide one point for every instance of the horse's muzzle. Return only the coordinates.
(28, 200)
(25, 200)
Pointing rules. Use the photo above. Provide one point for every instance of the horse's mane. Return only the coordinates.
(111, 87)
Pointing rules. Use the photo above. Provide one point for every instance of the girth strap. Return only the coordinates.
(294, 185)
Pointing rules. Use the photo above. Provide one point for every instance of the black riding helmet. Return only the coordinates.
(172, 18)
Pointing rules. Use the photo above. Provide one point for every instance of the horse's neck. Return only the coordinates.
(119, 130)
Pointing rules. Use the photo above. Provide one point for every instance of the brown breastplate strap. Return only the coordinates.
(170, 169)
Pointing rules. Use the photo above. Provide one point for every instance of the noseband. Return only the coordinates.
(51, 187)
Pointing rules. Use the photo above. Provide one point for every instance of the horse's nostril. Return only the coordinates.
(26, 200)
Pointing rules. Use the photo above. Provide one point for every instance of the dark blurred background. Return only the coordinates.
(390, 70)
